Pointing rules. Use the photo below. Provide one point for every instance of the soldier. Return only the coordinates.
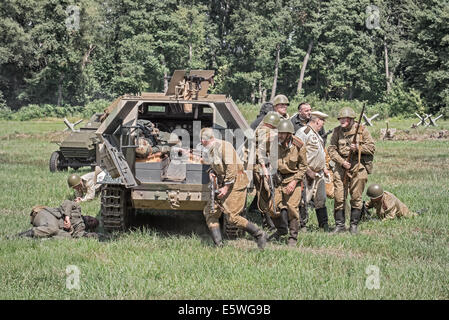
(63, 222)
(291, 166)
(357, 168)
(264, 109)
(386, 204)
(315, 183)
(227, 170)
(265, 136)
(301, 119)
(86, 186)
(280, 105)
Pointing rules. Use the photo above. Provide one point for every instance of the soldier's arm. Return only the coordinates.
(90, 194)
(369, 204)
(332, 150)
(367, 145)
(302, 163)
(262, 147)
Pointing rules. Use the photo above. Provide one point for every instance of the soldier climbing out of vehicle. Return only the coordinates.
(231, 181)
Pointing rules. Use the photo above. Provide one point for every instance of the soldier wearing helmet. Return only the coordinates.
(266, 140)
(291, 167)
(228, 174)
(357, 168)
(61, 222)
(280, 105)
(386, 204)
(86, 186)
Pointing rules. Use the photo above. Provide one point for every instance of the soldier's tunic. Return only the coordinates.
(49, 222)
(389, 207)
(228, 168)
(284, 117)
(292, 164)
(265, 142)
(316, 161)
(361, 164)
(90, 185)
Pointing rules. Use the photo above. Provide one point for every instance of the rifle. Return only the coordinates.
(304, 200)
(348, 159)
(272, 193)
(213, 191)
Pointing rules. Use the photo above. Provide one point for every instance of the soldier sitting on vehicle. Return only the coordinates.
(62, 222)
(86, 186)
(386, 204)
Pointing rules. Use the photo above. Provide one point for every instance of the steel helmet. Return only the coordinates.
(346, 112)
(280, 99)
(272, 118)
(286, 126)
(374, 191)
(73, 180)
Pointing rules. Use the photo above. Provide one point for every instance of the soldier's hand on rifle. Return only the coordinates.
(223, 191)
(265, 171)
(326, 172)
(291, 187)
(311, 174)
(346, 165)
(354, 147)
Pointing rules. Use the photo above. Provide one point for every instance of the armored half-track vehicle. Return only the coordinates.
(172, 177)
(78, 148)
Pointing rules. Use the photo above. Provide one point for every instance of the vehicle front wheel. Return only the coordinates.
(57, 162)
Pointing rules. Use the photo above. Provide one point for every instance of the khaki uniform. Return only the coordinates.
(316, 162)
(265, 139)
(49, 222)
(90, 185)
(292, 165)
(389, 207)
(228, 168)
(286, 117)
(361, 164)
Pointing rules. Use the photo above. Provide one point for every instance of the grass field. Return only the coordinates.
(410, 255)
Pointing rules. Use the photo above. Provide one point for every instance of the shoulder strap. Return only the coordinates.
(297, 141)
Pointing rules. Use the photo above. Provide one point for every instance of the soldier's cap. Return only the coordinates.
(319, 114)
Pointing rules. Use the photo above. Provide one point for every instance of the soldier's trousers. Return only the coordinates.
(232, 205)
(47, 225)
(355, 185)
(316, 190)
(263, 195)
(286, 201)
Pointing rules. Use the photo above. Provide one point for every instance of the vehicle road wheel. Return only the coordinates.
(57, 162)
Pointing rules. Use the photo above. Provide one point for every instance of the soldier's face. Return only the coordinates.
(319, 124)
(304, 111)
(282, 136)
(345, 122)
(281, 108)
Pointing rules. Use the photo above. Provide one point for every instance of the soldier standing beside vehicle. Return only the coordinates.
(386, 204)
(314, 182)
(280, 105)
(62, 222)
(266, 136)
(231, 180)
(86, 186)
(291, 167)
(357, 168)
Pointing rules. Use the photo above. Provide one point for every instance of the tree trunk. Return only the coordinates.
(260, 91)
(303, 68)
(264, 95)
(388, 78)
(276, 70)
(61, 78)
(86, 56)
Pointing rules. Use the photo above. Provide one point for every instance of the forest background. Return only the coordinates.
(62, 57)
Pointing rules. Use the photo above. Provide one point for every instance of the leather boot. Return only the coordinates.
(282, 229)
(216, 236)
(339, 221)
(321, 215)
(293, 237)
(258, 234)
(355, 219)
(303, 218)
(28, 233)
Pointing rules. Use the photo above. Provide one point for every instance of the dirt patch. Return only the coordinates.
(412, 135)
